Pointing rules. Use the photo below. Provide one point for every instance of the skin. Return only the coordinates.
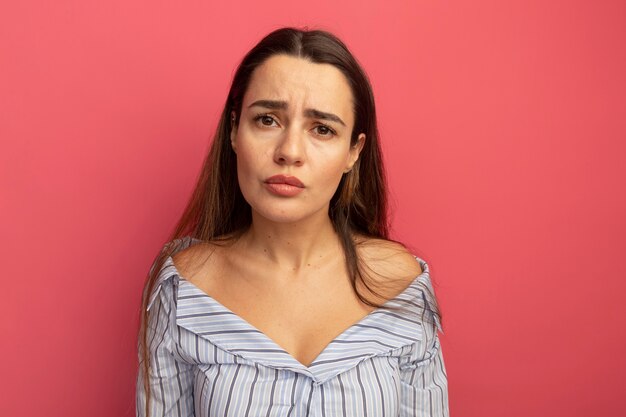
(286, 275)
(292, 232)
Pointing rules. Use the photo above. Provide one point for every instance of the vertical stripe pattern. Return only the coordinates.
(207, 361)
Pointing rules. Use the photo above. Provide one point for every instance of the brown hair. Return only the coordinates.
(217, 210)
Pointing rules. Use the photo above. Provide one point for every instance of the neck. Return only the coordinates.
(292, 246)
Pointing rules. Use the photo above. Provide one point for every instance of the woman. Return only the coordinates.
(280, 293)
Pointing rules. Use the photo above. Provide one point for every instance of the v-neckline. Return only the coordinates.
(361, 322)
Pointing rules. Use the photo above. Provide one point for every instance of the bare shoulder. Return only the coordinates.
(390, 264)
(197, 260)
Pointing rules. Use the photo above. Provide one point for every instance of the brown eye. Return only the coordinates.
(324, 130)
(265, 119)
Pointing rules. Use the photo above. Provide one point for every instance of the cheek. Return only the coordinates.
(329, 173)
(246, 168)
(251, 168)
(248, 157)
(332, 163)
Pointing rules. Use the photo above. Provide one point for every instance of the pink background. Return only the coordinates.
(504, 130)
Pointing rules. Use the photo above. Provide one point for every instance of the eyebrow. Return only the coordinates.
(311, 113)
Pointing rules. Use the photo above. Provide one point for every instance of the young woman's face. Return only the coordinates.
(296, 121)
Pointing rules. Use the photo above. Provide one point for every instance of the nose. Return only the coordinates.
(290, 148)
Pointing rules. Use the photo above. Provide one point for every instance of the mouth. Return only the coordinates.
(284, 186)
(285, 179)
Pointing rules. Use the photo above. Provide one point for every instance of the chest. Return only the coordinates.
(302, 316)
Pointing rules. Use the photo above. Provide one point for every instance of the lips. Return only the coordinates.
(284, 179)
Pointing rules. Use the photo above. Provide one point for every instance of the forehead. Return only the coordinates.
(301, 83)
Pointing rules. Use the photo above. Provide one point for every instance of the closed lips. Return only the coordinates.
(283, 179)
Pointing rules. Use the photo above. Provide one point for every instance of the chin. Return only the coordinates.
(279, 216)
(282, 213)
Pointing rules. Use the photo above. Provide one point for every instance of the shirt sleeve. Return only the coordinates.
(171, 380)
(423, 379)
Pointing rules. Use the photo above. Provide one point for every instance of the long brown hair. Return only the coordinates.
(217, 210)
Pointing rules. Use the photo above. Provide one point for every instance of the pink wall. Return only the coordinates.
(504, 128)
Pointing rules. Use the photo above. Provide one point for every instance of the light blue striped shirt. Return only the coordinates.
(208, 361)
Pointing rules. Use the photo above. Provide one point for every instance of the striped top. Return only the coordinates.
(207, 361)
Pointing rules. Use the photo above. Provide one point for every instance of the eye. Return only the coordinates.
(324, 130)
(264, 118)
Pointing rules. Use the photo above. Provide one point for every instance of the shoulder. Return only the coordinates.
(389, 257)
(195, 260)
(388, 263)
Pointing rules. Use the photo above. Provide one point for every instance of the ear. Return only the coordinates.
(233, 131)
(355, 151)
